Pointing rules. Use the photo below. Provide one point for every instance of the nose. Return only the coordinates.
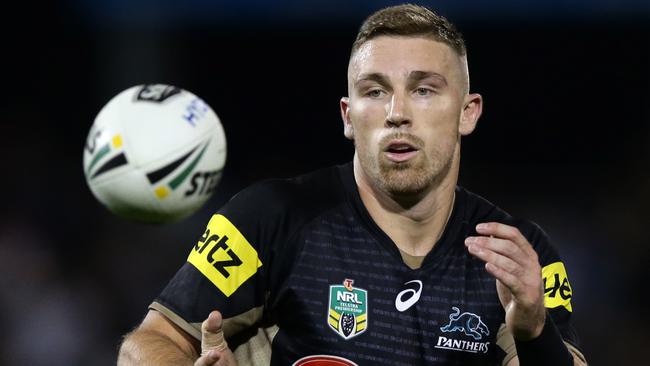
(397, 111)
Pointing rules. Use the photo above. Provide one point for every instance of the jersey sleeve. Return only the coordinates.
(557, 289)
(228, 266)
(557, 293)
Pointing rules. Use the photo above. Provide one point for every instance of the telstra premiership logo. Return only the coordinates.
(348, 309)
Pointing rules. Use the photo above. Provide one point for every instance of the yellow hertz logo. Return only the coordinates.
(557, 290)
(224, 256)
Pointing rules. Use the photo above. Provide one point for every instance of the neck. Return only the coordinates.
(414, 222)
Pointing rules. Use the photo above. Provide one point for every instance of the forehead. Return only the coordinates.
(400, 55)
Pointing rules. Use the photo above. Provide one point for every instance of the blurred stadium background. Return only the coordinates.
(564, 141)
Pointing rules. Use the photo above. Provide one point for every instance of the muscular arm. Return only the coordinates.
(159, 342)
(511, 259)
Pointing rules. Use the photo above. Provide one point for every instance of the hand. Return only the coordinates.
(514, 263)
(214, 349)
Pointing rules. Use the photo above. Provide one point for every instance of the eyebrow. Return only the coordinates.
(420, 75)
(372, 76)
(413, 76)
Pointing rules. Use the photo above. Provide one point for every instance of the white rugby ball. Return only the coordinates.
(155, 153)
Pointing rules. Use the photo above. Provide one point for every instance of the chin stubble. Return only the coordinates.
(410, 177)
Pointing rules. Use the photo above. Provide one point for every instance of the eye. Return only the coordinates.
(375, 93)
(422, 91)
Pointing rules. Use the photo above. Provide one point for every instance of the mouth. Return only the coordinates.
(400, 151)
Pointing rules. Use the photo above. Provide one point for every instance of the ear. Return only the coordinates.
(348, 131)
(472, 108)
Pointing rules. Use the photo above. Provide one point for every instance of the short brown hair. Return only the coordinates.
(410, 20)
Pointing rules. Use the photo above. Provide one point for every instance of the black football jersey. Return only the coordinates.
(300, 264)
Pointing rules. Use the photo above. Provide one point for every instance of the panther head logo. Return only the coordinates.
(468, 323)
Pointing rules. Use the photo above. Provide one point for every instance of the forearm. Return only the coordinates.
(146, 347)
(547, 349)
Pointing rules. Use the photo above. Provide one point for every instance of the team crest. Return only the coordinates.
(469, 325)
(348, 309)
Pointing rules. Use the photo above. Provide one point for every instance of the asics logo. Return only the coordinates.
(406, 298)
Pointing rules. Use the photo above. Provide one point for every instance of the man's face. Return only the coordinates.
(407, 108)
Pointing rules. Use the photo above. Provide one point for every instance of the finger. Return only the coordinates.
(524, 267)
(511, 281)
(501, 246)
(209, 359)
(490, 256)
(504, 231)
(212, 334)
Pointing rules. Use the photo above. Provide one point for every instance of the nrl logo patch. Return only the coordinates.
(348, 309)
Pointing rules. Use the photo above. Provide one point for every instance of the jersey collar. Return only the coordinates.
(441, 248)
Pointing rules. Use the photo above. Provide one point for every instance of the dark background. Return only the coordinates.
(563, 141)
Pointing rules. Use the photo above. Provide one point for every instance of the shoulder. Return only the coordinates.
(557, 291)
(273, 209)
(479, 209)
(313, 191)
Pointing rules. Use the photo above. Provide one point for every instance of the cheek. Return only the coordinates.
(366, 139)
(367, 113)
(441, 129)
(442, 117)
(445, 108)
(367, 124)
